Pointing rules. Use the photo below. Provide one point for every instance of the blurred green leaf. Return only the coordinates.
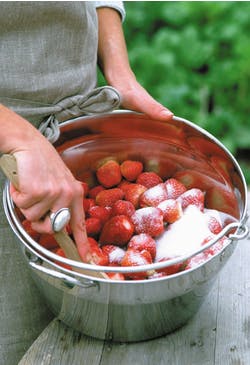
(194, 57)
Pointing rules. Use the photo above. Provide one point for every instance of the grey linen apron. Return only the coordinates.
(48, 56)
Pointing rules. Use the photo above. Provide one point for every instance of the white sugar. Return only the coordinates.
(116, 255)
(184, 236)
(156, 193)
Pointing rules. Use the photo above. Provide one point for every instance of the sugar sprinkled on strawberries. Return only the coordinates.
(133, 193)
(223, 218)
(174, 188)
(142, 242)
(123, 207)
(114, 253)
(192, 196)
(153, 196)
(148, 220)
(134, 217)
(116, 256)
(184, 236)
(171, 209)
(135, 258)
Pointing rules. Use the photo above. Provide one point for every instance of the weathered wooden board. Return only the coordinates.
(233, 314)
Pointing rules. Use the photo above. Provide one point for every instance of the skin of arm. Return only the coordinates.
(114, 63)
(45, 183)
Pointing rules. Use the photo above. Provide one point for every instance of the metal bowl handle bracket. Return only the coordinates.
(244, 231)
(67, 280)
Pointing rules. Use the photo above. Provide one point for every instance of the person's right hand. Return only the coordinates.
(45, 182)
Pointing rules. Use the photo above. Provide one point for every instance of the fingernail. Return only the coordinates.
(167, 114)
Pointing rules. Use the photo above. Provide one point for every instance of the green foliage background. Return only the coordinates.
(194, 57)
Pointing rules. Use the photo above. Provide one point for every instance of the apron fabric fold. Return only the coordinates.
(100, 100)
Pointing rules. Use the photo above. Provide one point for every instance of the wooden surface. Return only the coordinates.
(219, 334)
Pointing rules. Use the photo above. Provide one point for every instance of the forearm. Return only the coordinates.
(112, 50)
(114, 62)
(16, 133)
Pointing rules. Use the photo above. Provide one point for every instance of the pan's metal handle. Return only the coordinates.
(240, 236)
(242, 229)
(68, 280)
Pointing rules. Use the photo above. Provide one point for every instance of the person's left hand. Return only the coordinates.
(136, 98)
(114, 63)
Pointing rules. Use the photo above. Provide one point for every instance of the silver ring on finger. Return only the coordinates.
(60, 219)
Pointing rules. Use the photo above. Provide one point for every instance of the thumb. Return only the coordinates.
(139, 100)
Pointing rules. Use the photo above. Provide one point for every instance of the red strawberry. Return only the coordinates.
(131, 169)
(195, 261)
(171, 209)
(216, 247)
(97, 255)
(48, 241)
(153, 196)
(174, 188)
(93, 226)
(136, 258)
(31, 232)
(102, 213)
(85, 188)
(115, 276)
(114, 253)
(156, 275)
(207, 239)
(142, 242)
(123, 207)
(172, 269)
(133, 193)
(192, 197)
(59, 251)
(148, 220)
(209, 251)
(117, 231)
(123, 184)
(109, 174)
(87, 204)
(149, 179)
(107, 198)
(214, 225)
(95, 190)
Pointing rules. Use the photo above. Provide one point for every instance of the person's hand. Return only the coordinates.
(136, 98)
(114, 63)
(45, 184)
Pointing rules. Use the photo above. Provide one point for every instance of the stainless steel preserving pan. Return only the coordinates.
(142, 309)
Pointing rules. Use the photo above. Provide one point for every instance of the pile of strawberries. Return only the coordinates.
(125, 211)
